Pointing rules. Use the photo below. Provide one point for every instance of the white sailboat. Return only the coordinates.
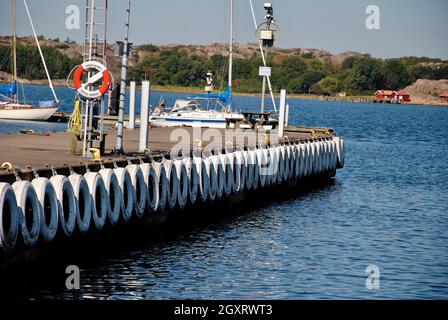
(11, 108)
(205, 110)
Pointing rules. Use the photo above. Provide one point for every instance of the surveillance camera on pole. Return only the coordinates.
(267, 33)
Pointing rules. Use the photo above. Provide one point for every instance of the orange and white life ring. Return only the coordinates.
(102, 73)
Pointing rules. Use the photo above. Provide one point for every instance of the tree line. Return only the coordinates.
(29, 63)
(358, 74)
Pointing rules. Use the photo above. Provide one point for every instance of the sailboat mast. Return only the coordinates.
(14, 41)
(231, 44)
(14, 46)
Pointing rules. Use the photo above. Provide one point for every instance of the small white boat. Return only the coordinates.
(11, 108)
(189, 113)
(11, 111)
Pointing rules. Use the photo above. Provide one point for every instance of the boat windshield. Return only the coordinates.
(185, 106)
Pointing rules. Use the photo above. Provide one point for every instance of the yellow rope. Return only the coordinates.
(74, 123)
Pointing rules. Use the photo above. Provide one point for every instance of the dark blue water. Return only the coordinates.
(388, 207)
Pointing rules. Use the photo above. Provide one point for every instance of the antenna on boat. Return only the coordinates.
(231, 53)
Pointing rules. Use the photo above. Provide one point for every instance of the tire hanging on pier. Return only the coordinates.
(29, 212)
(262, 165)
(193, 178)
(66, 204)
(314, 157)
(9, 217)
(182, 177)
(255, 169)
(204, 182)
(227, 161)
(114, 194)
(48, 207)
(213, 179)
(301, 149)
(320, 157)
(295, 150)
(140, 189)
(286, 162)
(152, 186)
(163, 185)
(236, 169)
(333, 155)
(100, 199)
(83, 202)
(127, 193)
(243, 164)
(340, 152)
(173, 182)
(307, 154)
(279, 153)
(220, 175)
(327, 155)
(272, 169)
(249, 170)
(290, 164)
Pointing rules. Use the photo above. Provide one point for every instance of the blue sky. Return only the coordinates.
(408, 27)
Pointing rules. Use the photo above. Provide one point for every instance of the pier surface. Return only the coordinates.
(44, 150)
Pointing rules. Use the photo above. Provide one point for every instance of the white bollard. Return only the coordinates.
(144, 116)
(281, 117)
(287, 115)
(132, 106)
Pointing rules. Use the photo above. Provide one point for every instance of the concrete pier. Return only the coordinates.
(49, 196)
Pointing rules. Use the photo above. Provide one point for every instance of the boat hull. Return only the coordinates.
(30, 114)
(195, 123)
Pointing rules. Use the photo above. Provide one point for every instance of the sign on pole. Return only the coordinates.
(264, 71)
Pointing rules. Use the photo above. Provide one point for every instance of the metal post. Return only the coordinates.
(132, 106)
(287, 115)
(124, 68)
(144, 115)
(263, 89)
(281, 117)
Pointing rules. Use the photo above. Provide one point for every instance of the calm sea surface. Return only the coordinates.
(388, 207)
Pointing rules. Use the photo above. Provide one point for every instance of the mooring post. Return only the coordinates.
(144, 116)
(287, 115)
(132, 106)
(119, 150)
(281, 117)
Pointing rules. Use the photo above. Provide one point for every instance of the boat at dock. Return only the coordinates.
(11, 108)
(211, 110)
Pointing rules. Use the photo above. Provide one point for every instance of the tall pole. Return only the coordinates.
(263, 89)
(124, 68)
(231, 48)
(14, 46)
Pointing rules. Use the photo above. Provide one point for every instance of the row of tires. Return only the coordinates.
(45, 208)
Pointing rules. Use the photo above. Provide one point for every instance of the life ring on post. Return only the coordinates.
(102, 73)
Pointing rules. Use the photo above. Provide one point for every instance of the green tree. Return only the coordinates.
(327, 86)
(364, 76)
(395, 73)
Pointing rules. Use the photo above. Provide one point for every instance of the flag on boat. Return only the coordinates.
(9, 89)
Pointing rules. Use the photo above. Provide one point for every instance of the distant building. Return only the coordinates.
(403, 96)
(444, 96)
(390, 96)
